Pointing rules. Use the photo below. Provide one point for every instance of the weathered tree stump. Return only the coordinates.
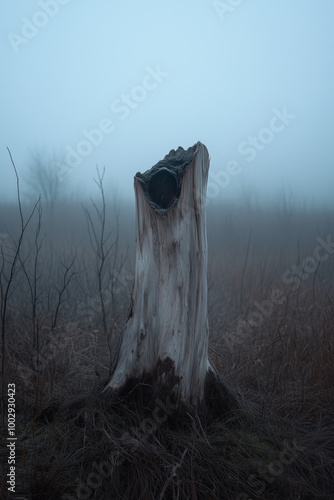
(167, 329)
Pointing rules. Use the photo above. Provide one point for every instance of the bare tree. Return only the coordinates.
(10, 260)
(42, 180)
(103, 246)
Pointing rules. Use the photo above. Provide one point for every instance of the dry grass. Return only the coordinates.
(278, 442)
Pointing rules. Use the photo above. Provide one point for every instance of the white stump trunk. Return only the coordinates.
(168, 324)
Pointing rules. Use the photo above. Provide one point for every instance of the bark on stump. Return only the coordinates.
(167, 329)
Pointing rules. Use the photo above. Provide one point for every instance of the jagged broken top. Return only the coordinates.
(162, 183)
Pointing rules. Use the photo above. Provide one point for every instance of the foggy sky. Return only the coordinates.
(120, 84)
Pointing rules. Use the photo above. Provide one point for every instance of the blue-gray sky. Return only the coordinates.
(253, 80)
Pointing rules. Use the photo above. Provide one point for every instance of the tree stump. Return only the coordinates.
(166, 333)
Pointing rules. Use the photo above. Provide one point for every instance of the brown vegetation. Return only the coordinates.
(64, 303)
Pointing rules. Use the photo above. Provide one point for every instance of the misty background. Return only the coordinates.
(120, 84)
(117, 85)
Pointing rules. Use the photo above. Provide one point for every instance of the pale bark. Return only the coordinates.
(168, 316)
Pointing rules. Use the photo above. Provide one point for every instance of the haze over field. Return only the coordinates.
(182, 360)
(119, 84)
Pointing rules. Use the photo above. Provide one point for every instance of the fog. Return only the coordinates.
(120, 84)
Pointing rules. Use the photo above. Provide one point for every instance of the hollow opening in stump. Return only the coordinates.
(163, 188)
